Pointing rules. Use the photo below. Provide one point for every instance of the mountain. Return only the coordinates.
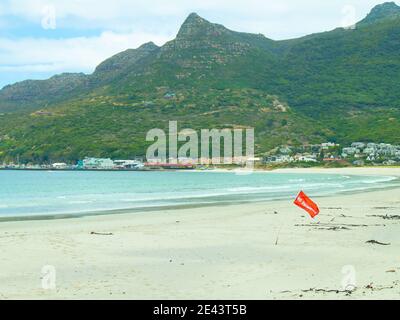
(342, 85)
(121, 64)
(385, 11)
(31, 94)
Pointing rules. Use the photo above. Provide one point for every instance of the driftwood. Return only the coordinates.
(387, 217)
(328, 291)
(377, 242)
(330, 225)
(101, 234)
(379, 288)
(348, 292)
(336, 228)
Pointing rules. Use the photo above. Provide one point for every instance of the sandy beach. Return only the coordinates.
(270, 250)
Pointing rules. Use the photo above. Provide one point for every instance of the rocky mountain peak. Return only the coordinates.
(387, 10)
(195, 25)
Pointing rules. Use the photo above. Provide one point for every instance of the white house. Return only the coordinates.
(60, 165)
(327, 145)
(127, 164)
(98, 163)
(349, 151)
(358, 145)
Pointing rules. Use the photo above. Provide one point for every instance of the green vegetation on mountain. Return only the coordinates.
(342, 85)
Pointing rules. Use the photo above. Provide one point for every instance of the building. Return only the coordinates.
(279, 159)
(60, 165)
(332, 159)
(369, 150)
(349, 151)
(169, 96)
(358, 145)
(327, 145)
(128, 164)
(305, 158)
(285, 150)
(98, 163)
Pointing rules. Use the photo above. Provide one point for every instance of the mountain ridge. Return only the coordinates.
(194, 22)
(387, 10)
(342, 85)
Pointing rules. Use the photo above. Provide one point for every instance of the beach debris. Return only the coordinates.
(387, 217)
(101, 233)
(324, 227)
(391, 271)
(372, 287)
(345, 216)
(350, 291)
(377, 242)
(275, 212)
(305, 203)
(336, 228)
(343, 225)
(277, 237)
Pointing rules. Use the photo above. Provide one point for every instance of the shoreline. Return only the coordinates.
(142, 210)
(351, 171)
(269, 250)
(239, 169)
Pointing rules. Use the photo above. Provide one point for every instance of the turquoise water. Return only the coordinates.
(27, 193)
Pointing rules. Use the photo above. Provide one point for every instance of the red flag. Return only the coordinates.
(307, 204)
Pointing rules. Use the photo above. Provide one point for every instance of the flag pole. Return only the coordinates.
(279, 233)
(305, 203)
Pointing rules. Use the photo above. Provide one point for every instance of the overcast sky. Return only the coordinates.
(40, 38)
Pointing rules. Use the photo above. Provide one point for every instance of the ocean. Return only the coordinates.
(60, 193)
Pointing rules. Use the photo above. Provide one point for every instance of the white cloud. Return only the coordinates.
(131, 14)
(127, 24)
(106, 10)
(59, 55)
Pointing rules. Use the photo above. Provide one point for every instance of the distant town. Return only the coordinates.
(356, 154)
(105, 164)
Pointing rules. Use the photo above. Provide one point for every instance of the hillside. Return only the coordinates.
(342, 85)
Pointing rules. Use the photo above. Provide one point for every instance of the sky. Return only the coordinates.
(41, 38)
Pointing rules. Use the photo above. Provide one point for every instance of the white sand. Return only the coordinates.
(212, 253)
